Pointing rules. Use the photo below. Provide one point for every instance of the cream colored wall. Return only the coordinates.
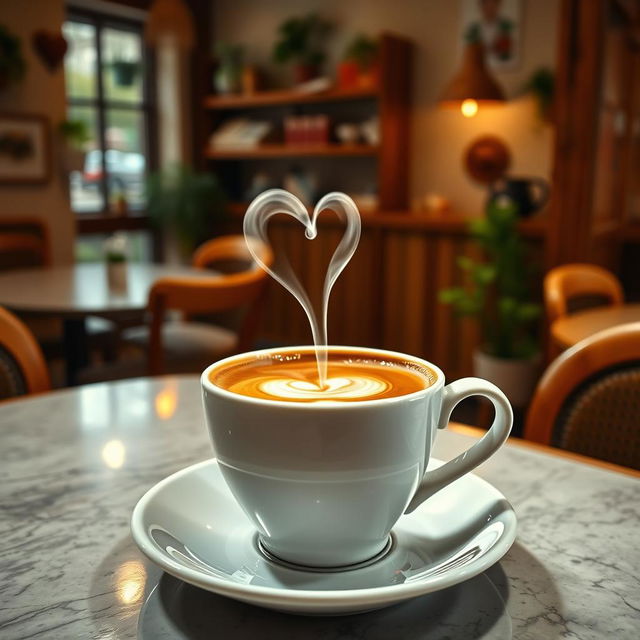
(40, 92)
(439, 137)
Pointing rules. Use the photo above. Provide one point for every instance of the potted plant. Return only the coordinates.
(74, 135)
(498, 297)
(12, 65)
(228, 75)
(301, 40)
(541, 85)
(115, 255)
(124, 72)
(186, 203)
(359, 66)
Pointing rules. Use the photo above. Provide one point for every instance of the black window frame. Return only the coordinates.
(103, 221)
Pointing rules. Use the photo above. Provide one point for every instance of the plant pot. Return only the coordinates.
(117, 276)
(516, 377)
(348, 72)
(124, 73)
(227, 80)
(304, 72)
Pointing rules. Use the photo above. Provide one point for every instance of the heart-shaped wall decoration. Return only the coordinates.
(275, 201)
(50, 47)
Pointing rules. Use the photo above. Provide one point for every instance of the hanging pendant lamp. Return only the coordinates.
(472, 85)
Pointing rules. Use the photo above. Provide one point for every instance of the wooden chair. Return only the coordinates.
(573, 282)
(588, 400)
(24, 242)
(186, 345)
(574, 287)
(22, 366)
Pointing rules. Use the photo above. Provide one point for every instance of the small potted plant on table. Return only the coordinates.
(499, 298)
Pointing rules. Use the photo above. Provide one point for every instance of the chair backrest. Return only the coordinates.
(24, 242)
(22, 365)
(588, 400)
(210, 295)
(228, 249)
(571, 281)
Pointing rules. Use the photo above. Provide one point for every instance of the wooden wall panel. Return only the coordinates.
(415, 305)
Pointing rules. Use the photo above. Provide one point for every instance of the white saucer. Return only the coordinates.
(192, 527)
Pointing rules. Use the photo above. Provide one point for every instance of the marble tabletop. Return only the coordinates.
(74, 463)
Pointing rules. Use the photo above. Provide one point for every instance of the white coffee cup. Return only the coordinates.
(324, 483)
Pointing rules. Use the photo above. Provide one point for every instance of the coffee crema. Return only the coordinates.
(292, 376)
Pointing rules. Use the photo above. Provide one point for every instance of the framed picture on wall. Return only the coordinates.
(495, 23)
(25, 154)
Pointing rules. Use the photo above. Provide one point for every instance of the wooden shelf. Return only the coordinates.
(389, 99)
(286, 97)
(292, 151)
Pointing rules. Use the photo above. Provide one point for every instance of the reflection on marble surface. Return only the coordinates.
(113, 454)
(178, 611)
(64, 525)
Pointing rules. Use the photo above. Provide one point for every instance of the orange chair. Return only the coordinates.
(180, 346)
(22, 366)
(573, 287)
(569, 282)
(588, 400)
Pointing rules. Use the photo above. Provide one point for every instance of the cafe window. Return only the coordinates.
(107, 88)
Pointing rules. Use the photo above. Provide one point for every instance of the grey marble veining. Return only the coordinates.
(74, 463)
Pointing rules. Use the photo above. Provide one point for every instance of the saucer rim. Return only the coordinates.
(273, 596)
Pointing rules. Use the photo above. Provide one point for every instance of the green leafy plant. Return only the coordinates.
(302, 40)
(185, 202)
(498, 294)
(541, 85)
(75, 133)
(12, 64)
(363, 50)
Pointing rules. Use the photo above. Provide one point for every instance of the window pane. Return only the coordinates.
(125, 158)
(122, 65)
(90, 247)
(80, 60)
(85, 178)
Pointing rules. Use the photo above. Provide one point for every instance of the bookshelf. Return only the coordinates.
(384, 165)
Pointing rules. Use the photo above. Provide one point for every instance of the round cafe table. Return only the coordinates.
(73, 464)
(75, 292)
(569, 330)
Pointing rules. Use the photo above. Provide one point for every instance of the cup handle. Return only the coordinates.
(452, 394)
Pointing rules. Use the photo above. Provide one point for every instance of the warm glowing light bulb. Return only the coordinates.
(469, 108)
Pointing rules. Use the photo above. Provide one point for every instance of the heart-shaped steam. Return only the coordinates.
(276, 201)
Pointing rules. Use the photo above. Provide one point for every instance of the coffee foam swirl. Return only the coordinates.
(292, 377)
(352, 387)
